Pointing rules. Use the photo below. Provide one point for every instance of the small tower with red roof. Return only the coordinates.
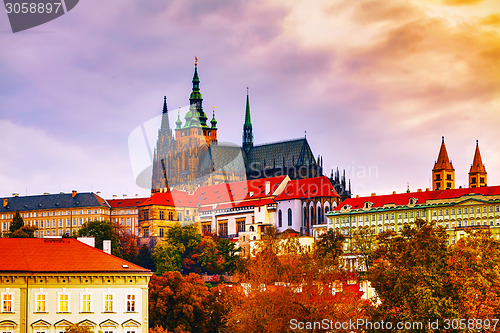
(477, 173)
(443, 173)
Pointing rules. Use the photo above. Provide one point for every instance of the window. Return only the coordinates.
(130, 303)
(86, 303)
(240, 225)
(223, 229)
(108, 302)
(179, 216)
(162, 215)
(63, 300)
(290, 216)
(146, 214)
(7, 302)
(162, 232)
(280, 218)
(40, 302)
(170, 216)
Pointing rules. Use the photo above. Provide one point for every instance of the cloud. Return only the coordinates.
(461, 2)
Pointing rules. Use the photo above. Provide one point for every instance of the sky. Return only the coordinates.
(373, 84)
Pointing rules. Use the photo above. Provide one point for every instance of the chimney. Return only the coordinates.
(15, 194)
(357, 196)
(73, 193)
(393, 192)
(114, 196)
(136, 195)
(46, 193)
(419, 190)
(106, 246)
(124, 196)
(268, 187)
(90, 241)
(427, 189)
(5, 202)
(98, 193)
(374, 194)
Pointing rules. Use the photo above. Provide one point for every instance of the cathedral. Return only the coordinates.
(190, 156)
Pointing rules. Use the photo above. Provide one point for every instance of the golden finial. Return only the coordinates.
(196, 60)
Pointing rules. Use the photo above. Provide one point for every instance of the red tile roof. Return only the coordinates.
(37, 255)
(117, 203)
(308, 188)
(402, 199)
(172, 198)
(238, 191)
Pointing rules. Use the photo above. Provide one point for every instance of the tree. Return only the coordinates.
(329, 246)
(26, 231)
(167, 257)
(179, 303)
(17, 222)
(100, 230)
(144, 258)
(363, 245)
(127, 243)
(410, 276)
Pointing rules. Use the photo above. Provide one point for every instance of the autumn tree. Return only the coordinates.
(127, 243)
(410, 276)
(179, 303)
(474, 274)
(145, 259)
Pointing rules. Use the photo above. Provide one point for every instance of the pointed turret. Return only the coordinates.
(443, 173)
(165, 122)
(477, 173)
(247, 128)
(178, 122)
(213, 121)
(195, 117)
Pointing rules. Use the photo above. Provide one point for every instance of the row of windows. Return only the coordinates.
(467, 210)
(54, 213)
(63, 302)
(123, 212)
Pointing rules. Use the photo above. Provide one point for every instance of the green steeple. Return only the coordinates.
(195, 116)
(213, 121)
(247, 128)
(178, 122)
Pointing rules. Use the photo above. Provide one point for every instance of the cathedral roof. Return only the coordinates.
(477, 163)
(223, 158)
(443, 162)
(308, 188)
(292, 153)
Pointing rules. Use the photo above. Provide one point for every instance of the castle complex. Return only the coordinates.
(190, 156)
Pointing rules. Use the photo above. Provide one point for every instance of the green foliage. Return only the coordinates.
(363, 245)
(17, 222)
(26, 231)
(100, 230)
(145, 259)
(185, 250)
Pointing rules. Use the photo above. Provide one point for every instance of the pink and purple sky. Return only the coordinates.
(374, 83)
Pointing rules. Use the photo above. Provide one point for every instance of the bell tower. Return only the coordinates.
(443, 173)
(477, 173)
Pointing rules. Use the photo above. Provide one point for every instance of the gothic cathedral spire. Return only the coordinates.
(196, 117)
(477, 173)
(443, 173)
(165, 123)
(247, 129)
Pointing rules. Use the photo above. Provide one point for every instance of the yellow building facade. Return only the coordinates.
(47, 285)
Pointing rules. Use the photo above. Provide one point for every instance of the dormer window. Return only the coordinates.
(367, 205)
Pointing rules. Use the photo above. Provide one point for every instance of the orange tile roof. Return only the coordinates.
(132, 202)
(308, 188)
(38, 255)
(173, 198)
(401, 199)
